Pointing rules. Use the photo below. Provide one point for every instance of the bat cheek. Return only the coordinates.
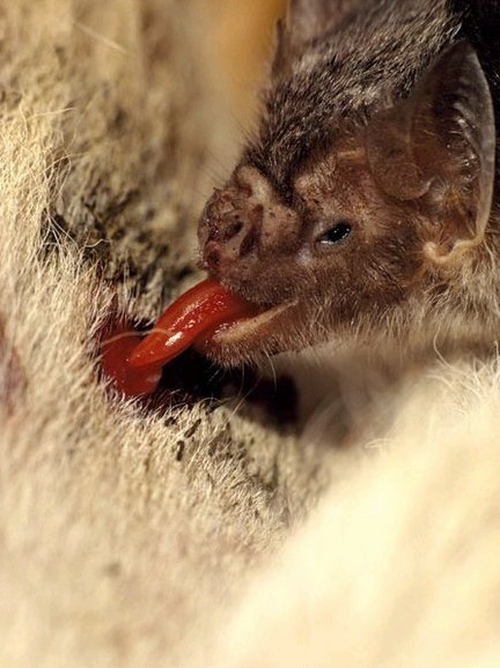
(281, 230)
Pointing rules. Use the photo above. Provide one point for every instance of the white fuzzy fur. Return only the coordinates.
(399, 564)
(113, 552)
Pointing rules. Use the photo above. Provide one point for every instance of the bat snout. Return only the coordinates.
(230, 233)
(245, 221)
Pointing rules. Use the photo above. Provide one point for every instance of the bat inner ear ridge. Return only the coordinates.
(439, 146)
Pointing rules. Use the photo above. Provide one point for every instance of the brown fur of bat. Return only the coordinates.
(365, 207)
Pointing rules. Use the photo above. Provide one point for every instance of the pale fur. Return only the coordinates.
(399, 564)
(115, 549)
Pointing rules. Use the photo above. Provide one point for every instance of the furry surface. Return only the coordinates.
(120, 528)
(132, 536)
(399, 564)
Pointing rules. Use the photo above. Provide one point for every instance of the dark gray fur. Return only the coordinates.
(369, 58)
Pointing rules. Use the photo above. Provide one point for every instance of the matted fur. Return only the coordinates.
(128, 536)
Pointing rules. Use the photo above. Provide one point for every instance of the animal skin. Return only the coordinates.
(178, 531)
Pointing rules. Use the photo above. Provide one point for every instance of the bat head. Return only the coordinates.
(379, 212)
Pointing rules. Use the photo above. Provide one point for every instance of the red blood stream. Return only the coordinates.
(196, 313)
(136, 366)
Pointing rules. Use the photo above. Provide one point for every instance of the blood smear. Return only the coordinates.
(195, 314)
(116, 352)
(135, 363)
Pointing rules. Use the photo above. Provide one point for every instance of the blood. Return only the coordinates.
(115, 358)
(135, 363)
(200, 310)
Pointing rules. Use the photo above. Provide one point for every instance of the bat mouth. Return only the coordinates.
(215, 320)
(252, 338)
(209, 317)
(246, 328)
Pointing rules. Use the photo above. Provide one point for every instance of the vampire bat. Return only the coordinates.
(365, 207)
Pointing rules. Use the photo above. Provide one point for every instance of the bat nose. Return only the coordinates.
(245, 221)
(238, 229)
(230, 239)
(230, 227)
(225, 230)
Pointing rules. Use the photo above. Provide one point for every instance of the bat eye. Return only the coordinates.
(336, 234)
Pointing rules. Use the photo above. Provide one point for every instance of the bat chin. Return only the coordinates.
(249, 340)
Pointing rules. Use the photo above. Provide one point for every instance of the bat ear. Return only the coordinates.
(306, 20)
(439, 145)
